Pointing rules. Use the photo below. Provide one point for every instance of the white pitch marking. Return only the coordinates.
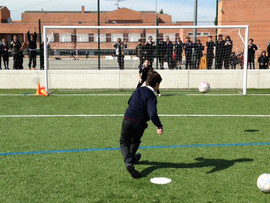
(121, 115)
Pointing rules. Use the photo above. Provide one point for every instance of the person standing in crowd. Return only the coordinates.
(4, 48)
(188, 52)
(140, 51)
(169, 52)
(143, 72)
(220, 52)
(198, 53)
(252, 48)
(161, 53)
(15, 47)
(263, 61)
(228, 52)
(120, 52)
(178, 50)
(210, 44)
(268, 52)
(142, 107)
(149, 50)
(32, 45)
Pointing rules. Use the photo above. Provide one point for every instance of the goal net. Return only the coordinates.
(109, 57)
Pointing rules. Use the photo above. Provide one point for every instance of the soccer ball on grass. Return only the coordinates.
(263, 182)
(204, 87)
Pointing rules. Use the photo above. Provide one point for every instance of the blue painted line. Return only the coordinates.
(146, 147)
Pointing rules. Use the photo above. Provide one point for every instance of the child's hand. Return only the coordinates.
(159, 131)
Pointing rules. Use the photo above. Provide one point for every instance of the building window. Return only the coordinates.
(65, 37)
(55, 37)
(126, 37)
(102, 37)
(91, 37)
(206, 34)
(116, 36)
(108, 37)
(82, 38)
(134, 37)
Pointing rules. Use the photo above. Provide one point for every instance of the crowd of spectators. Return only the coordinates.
(218, 54)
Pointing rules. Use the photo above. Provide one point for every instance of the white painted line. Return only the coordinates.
(121, 115)
(165, 94)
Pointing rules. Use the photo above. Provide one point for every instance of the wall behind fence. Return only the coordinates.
(124, 79)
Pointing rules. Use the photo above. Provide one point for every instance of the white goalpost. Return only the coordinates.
(83, 39)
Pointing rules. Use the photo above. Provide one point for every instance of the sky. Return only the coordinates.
(180, 10)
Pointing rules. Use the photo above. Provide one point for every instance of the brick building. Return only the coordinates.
(245, 12)
(64, 40)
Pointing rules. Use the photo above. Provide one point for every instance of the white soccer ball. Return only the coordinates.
(263, 182)
(204, 87)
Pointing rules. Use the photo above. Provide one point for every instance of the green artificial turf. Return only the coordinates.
(199, 174)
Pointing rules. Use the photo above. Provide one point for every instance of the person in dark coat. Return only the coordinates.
(169, 52)
(4, 50)
(120, 52)
(161, 52)
(198, 53)
(143, 72)
(188, 52)
(149, 50)
(15, 47)
(178, 50)
(268, 52)
(252, 48)
(210, 44)
(263, 61)
(220, 51)
(142, 106)
(228, 52)
(140, 52)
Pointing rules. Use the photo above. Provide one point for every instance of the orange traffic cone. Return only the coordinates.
(41, 91)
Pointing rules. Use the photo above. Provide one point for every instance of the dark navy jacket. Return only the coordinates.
(143, 107)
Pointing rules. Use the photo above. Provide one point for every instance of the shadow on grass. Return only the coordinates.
(218, 164)
(251, 131)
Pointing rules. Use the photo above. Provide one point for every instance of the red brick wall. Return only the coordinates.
(248, 12)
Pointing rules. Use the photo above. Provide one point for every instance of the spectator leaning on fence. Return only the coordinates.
(161, 53)
(220, 51)
(169, 52)
(120, 52)
(32, 44)
(210, 44)
(4, 54)
(228, 52)
(15, 47)
(268, 52)
(198, 53)
(178, 50)
(263, 61)
(188, 52)
(140, 51)
(252, 48)
(149, 50)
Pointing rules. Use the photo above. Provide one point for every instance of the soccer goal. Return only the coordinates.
(109, 57)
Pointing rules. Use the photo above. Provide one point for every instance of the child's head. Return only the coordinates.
(146, 63)
(153, 79)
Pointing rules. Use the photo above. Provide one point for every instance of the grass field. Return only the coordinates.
(191, 151)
